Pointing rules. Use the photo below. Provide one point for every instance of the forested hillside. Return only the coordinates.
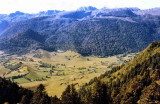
(88, 31)
(103, 37)
(135, 82)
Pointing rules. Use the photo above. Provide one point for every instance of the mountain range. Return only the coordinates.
(87, 30)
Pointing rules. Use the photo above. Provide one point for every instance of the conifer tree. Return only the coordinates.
(40, 96)
(70, 96)
(55, 100)
(99, 94)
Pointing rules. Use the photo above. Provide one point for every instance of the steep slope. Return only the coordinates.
(47, 25)
(44, 26)
(3, 25)
(102, 32)
(103, 36)
(135, 82)
(22, 42)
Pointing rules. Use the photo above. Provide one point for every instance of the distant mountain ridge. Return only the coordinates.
(88, 30)
(153, 11)
(89, 8)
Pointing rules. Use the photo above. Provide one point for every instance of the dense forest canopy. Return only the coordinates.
(90, 31)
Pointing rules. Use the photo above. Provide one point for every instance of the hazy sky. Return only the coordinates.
(33, 6)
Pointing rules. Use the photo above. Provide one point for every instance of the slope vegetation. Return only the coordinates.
(101, 32)
(135, 82)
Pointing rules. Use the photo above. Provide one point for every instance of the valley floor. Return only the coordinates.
(56, 69)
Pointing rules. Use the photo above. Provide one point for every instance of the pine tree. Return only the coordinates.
(55, 100)
(70, 96)
(40, 96)
(24, 100)
(99, 94)
(25, 96)
(85, 94)
(44, 100)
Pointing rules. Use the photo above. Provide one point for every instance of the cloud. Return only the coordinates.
(33, 6)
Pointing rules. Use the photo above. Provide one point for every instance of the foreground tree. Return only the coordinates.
(55, 100)
(99, 94)
(40, 96)
(70, 96)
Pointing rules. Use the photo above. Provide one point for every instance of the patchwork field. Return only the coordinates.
(56, 69)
